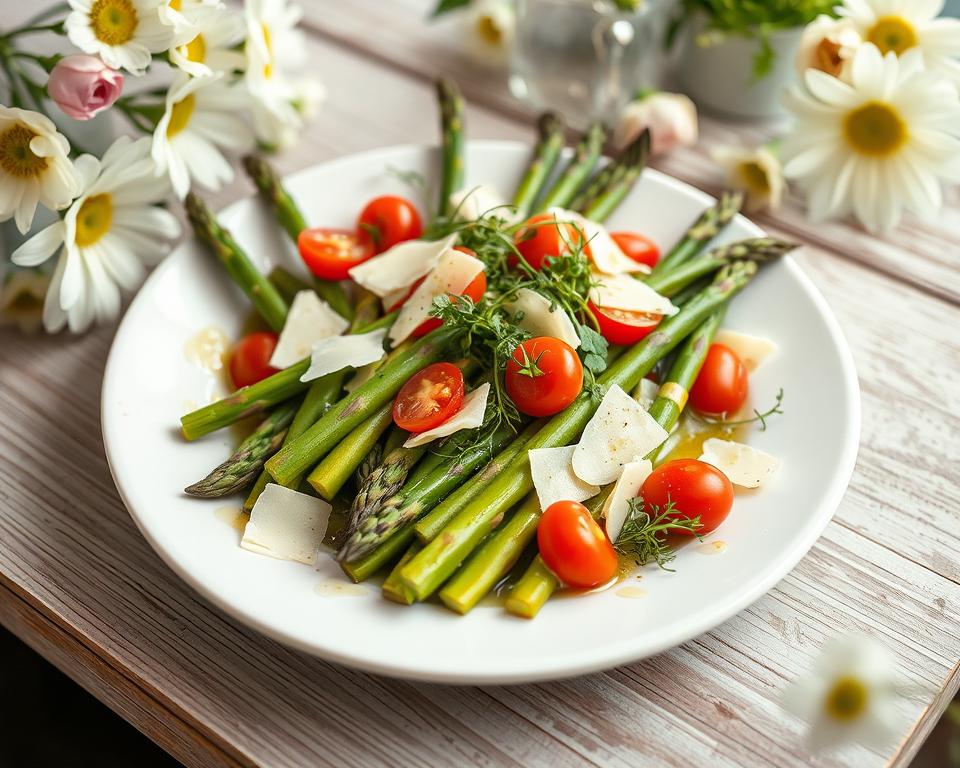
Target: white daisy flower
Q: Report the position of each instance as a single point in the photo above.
(180, 14)
(876, 145)
(828, 44)
(106, 237)
(200, 119)
(274, 48)
(850, 696)
(214, 34)
(898, 26)
(35, 166)
(124, 33)
(757, 172)
(489, 26)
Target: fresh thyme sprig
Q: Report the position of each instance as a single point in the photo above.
(758, 416)
(642, 535)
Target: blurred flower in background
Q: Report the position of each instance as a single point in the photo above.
(756, 172)
(489, 28)
(828, 44)
(83, 86)
(671, 118)
(22, 292)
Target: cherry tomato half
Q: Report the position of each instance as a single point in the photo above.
(388, 220)
(544, 237)
(574, 547)
(637, 247)
(620, 326)
(250, 358)
(331, 253)
(722, 384)
(695, 487)
(475, 290)
(544, 375)
(429, 398)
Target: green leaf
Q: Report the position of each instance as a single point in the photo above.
(763, 59)
(593, 350)
(445, 6)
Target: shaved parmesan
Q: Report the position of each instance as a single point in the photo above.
(394, 298)
(752, 350)
(617, 506)
(553, 476)
(605, 254)
(286, 524)
(470, 416)
(339, 352)
(453, 274)
(399, 267)
(620, 431)
(309, 320)
(743, 464)
(540, 320)
(646, 393)
(627, 293)
(481, 201)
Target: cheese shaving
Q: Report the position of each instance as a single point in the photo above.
(617, 506)
(607, 257)
(399, 267)
(752, 350)
(309, 320)
(470, 416)
(620, 431)
(744, 465)
(481, 201)
(646, 393)
(339, 352)
(540, 320)
(286, 524)
(554, 478)
(627, 293)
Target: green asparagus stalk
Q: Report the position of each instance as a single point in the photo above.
(376, 560)
(321, 394)
(288, 285)
(245, 463)
(442, 556)
(451, 130)
(538, 583)
(383, 484)
(414, 499)
(265, 298)
(293, 223)
(393, 588)
(545, 156)
(584, 158)
(631, 166)
(758, 249)
(701, 232)
(395, 439)
(369, 464)
(302, 453)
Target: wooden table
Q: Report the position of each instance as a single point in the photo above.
(80, 585)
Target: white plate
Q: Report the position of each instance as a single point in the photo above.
(149, 383)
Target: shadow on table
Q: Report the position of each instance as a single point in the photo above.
(49, 721)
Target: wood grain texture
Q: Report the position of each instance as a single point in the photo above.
(80, 584)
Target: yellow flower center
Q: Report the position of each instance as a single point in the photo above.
(113, 21)
(180, 115)
(94, 219)
(176, 4)
(196, 49)
(488, 30)
(16, 157)
(892, 33)
(268, 67)
(755, 179)
(847, 699)
(827, 57)
(875, 129)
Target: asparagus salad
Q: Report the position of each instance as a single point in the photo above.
(493, 399)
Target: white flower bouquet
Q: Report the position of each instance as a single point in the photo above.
(229, 80)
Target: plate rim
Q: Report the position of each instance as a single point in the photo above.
(564, 666)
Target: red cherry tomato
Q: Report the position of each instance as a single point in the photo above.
(574, 547)
(429, 398)
(388, 220)
(331, 253)
(543, 376)
(620, 326)
(695, 487)
(475, 290)
(722, 384)
(250, 358)
(548, 238)
(637, 247)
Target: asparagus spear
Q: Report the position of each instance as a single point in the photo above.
(392, 588)
(545, 156)
(245, 463)
(265, 298)
(382, 484)
(627, 170)
(370, 462)
(293, 223)
(441, 557)
(538, 583)
(451, 130)
(299, 455)
(584, 158)
(288, 285)
(704, 229)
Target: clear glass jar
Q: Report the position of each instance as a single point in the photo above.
(585, 59)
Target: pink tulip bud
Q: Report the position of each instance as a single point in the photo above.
(83, 86)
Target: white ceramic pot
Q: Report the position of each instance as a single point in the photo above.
(719, 77)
